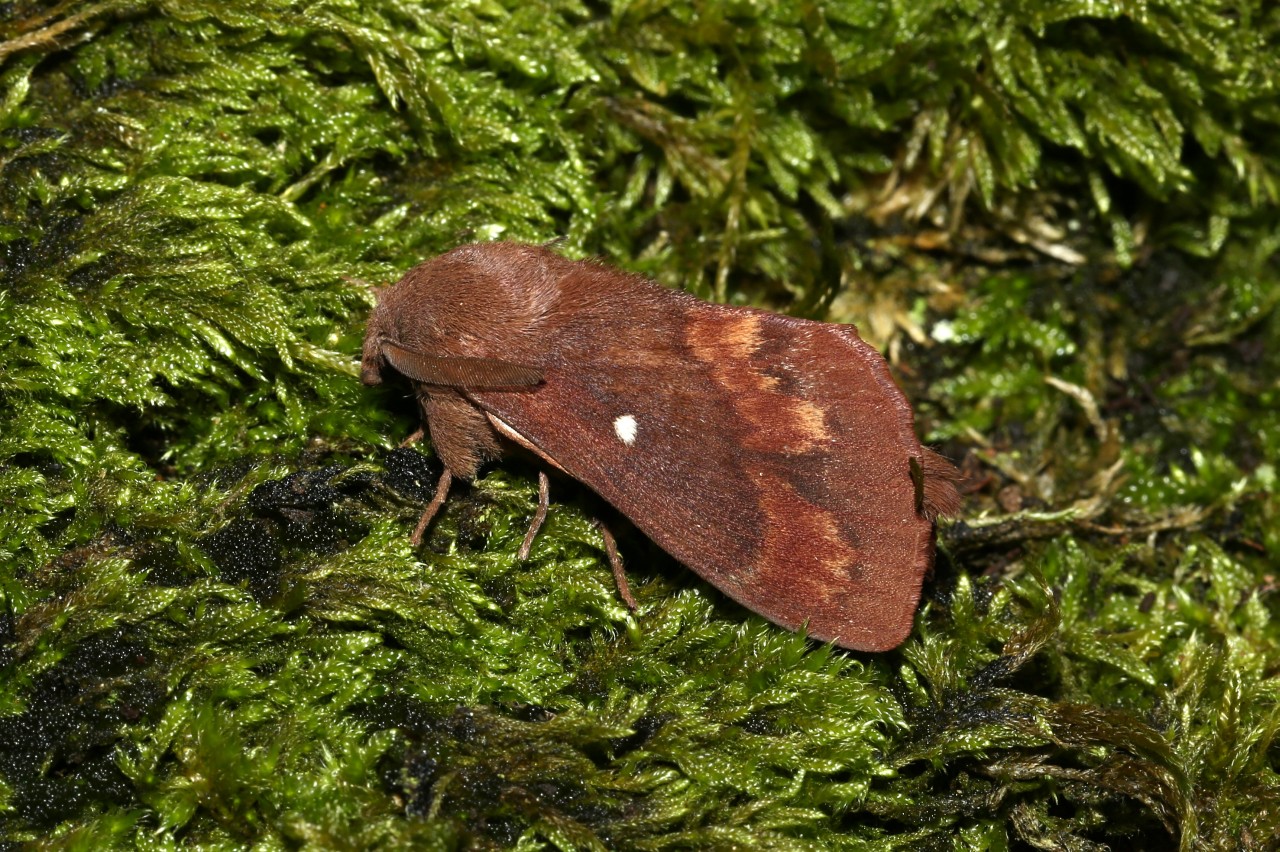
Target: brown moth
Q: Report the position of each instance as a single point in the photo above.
(774, 456)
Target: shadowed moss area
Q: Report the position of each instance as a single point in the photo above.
(1058, 219)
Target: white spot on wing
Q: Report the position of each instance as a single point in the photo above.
(625, 428)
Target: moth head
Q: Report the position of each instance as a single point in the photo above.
(479, 303)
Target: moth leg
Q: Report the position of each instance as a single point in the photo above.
(417, 436)
(544, 497)
(442, 491)
(615, 562)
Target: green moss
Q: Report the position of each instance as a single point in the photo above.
(1059, 220)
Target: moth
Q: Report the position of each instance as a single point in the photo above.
(774, 456)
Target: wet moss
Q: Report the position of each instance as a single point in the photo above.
(1057, 220)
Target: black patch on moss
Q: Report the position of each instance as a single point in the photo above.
(411, 473)
(59, 754)
(8, 634)
(298, 514)
(644, 728)
(488, 773)
(305, 490)
(227, 475)
(472, 516)
(301, 506)
(163, 564)
(247, 550)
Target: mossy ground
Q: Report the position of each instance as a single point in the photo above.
(1059, 219)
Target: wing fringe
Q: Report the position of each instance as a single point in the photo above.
(939, 496)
